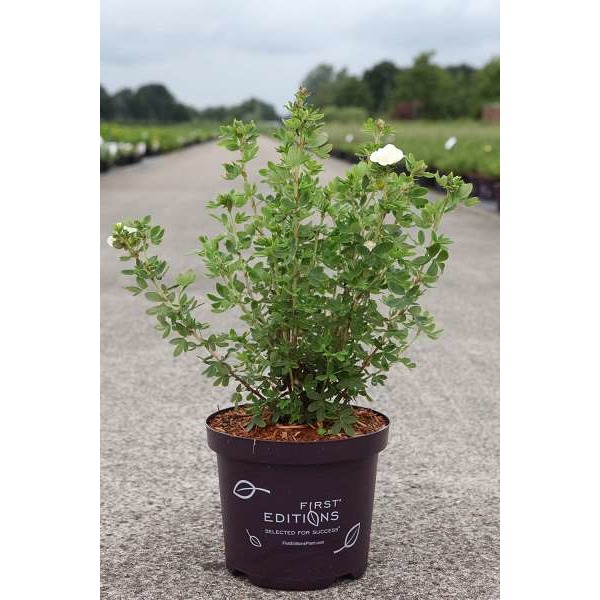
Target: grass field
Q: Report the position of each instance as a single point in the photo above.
(476, 152)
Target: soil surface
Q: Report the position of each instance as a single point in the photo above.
(234, 422)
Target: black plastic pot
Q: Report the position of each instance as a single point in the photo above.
(297, 515)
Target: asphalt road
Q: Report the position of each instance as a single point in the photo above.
(435, 526)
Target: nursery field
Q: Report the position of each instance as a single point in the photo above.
(125, 143)
(476, 151)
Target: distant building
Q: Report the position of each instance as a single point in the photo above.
(491, 113)
(408, 109)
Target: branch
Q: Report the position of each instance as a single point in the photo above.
(231, 370)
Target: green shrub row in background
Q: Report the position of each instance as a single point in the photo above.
(124, 144)
(475, 152)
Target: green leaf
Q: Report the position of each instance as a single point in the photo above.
(223, 291)
(154, 297)
(134, 290)
(395, 285)
(383, 249)
(421, 260)
(185, 279)
(348, 429)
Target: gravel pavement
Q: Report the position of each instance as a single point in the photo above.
(435, 526)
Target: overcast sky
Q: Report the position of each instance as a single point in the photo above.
(210, 52)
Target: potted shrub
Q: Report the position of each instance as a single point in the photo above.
(108, 153)
(327, 280)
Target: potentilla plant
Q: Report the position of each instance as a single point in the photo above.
(328, 279)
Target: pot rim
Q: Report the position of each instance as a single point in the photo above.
(297, 453)
(237, 437)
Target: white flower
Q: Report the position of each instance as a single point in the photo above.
(129, 229)
(140, 148)
(370, 244)
(349, 138)
(388, 155)
(101, 140)
(110, 240)
(450, 143)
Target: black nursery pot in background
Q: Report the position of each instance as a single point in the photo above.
(297, 515)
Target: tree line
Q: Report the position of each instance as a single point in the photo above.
(424, 90)
(154, 103)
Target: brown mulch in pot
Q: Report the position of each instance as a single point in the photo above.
(234, 422)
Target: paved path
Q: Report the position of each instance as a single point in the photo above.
(435, 529)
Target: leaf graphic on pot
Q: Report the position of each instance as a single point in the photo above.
(313, 518)
(246, 489)
(350, 538)
(254, 540)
